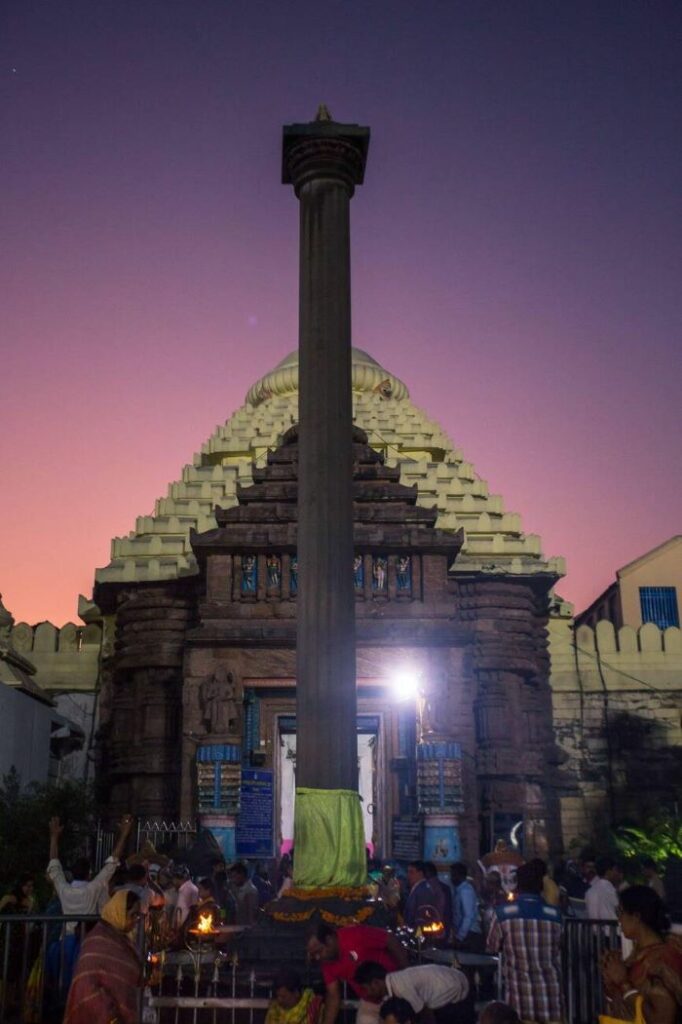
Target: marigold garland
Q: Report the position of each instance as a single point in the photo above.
(337, 892)
(302, 915)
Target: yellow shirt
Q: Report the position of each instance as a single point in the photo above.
(306, 1010)
(550, 891)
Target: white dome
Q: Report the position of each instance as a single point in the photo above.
(368, 375)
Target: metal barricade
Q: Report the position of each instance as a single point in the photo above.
(38, 954)
(584, 942)
(222, 993)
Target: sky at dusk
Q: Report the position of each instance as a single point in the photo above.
(517, 253)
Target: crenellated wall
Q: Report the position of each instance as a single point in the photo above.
(617, 699)
(66, 658)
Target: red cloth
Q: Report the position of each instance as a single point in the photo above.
(358, 943)
(106, 983)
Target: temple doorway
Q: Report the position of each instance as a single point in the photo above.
(368, 740)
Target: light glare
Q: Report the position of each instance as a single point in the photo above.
(405, 684)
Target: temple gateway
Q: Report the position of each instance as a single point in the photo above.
(454, 726)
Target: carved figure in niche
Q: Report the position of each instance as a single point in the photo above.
(217, 699)
(293, 575)
(379, 566)
(358, 572)
(404, 573)
(435, 709)
(274, 569)
(249, 574)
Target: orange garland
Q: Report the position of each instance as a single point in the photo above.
(281, 915)
(338, 892)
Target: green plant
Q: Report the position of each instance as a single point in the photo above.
(24, 817)
(660, 838)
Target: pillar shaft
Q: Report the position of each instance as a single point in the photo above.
(326, 689)
(324, 161)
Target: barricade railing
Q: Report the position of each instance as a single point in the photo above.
(583, 943)
(163, 835)
(37, 955)
(38, 951)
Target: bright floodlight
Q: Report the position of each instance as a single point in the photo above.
(405, 683)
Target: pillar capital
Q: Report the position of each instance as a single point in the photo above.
(324, 150)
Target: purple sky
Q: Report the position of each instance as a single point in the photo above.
(516, 252)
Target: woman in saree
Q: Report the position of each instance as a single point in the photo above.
(651, 977)
(292, 1004)
(106, 983)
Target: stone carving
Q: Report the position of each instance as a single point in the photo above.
(274, 572)
(358, 572)
(249, 574)
(220, 712)
(379, 565)
(436, 708)
(404, 574)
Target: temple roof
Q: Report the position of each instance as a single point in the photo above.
(159, 549)
(367, 375)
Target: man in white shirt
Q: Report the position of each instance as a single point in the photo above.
(188, 894)
(84, 895)
(429, 986)
(601, 899)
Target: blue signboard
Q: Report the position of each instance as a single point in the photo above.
(255, 821)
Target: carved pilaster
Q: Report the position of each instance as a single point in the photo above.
(514, 759)
(143, 744)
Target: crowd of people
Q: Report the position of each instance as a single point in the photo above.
(513, 907)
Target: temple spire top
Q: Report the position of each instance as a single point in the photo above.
(323, 113)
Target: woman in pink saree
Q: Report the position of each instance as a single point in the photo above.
(106, 982)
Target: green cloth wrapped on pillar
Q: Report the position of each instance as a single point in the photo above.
(329, 839)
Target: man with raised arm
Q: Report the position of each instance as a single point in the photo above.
(84, 895)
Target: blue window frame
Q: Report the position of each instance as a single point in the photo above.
(659, 605)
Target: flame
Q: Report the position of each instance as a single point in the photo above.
(435, 928)
(205, 924)
(510, 897)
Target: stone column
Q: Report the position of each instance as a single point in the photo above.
(516, 762)
(324, 161)
(146, 714)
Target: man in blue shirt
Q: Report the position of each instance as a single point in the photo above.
(528, 931)
(425, 902)
(467, 922)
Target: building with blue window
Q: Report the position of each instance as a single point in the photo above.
(648, 589)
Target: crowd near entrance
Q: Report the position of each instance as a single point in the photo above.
(192, 937)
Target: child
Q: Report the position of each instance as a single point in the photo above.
(292, 1004)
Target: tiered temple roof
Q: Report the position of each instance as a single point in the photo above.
(159, 547)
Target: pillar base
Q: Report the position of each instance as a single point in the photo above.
(329, 840)
(223, 828)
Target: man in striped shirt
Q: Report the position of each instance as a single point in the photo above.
(528, 931)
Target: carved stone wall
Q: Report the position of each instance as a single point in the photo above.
(516, 763)
(143, 744)
(616, 697)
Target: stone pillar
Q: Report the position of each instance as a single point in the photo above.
(324, 161)
(146, 706)
(516, 766)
